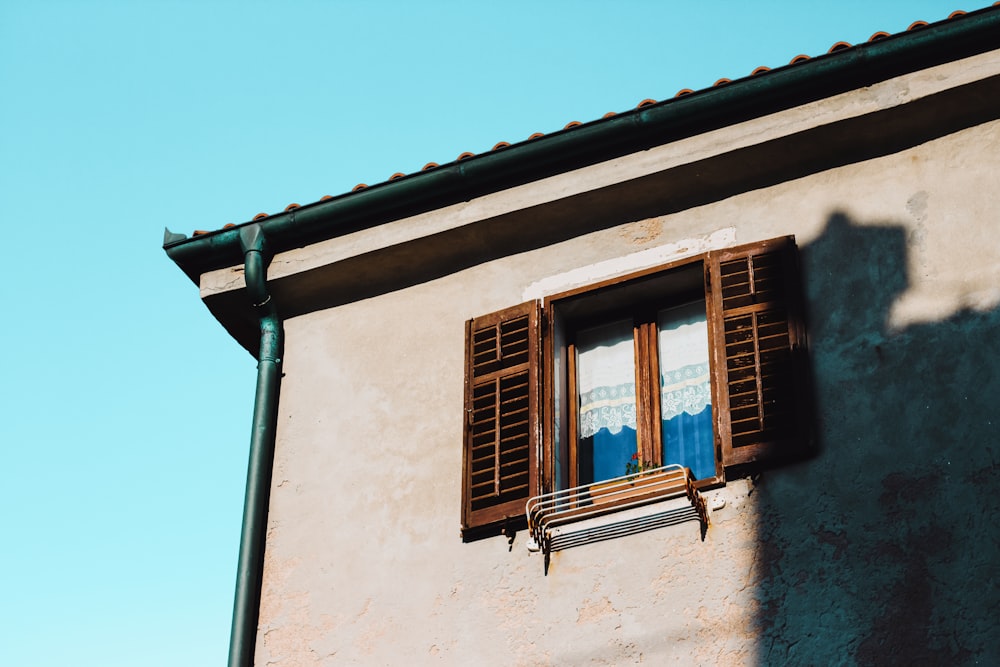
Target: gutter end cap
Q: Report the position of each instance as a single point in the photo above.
(170, 238)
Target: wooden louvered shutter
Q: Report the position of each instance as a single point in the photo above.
(759, 352)
(502, 425)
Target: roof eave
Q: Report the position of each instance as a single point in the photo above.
(599, 140)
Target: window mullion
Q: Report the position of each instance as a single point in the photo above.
(655, 417)
(647, 393)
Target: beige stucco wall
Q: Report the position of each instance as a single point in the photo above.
(857, 556)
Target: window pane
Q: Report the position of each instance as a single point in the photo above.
(685, 389)
(606, 387)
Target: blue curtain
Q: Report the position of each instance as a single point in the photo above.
(688, 440)
(605, 454)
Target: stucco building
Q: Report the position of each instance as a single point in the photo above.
(787, 284)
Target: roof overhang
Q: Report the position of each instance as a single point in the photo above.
(711, 143)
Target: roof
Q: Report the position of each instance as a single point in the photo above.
(765, 90)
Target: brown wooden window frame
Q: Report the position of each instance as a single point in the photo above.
(637, 296)
(758, 370)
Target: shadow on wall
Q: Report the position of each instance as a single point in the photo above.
(883, 549)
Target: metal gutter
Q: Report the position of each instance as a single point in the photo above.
(600, 140)
(250, 568)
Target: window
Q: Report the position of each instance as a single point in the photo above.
(700, 362)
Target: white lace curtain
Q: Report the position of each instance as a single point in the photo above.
(606, 370)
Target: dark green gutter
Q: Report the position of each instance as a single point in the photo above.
(601, 140)
(250, 567)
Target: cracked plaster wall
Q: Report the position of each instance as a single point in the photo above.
(880, 550)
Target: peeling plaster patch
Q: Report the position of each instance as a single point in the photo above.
(629, 651)
(838, 540)
(917, 206)
(589, 612)
(768, 555)
(378, 627)
(901, 493)
(643, 231)
(904, 628)
(731, 620)
(636, 261)
(289, 636)
(223, 280)
(984, 475)
(275, 580)
(511, 608)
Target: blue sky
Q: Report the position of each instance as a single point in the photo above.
(126, 407)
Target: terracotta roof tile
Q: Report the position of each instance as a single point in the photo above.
(759, 71)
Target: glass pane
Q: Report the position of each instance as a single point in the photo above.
(559, 446)
(685, 389)
(605, 368)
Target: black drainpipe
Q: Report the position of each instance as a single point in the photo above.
(246, 606)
